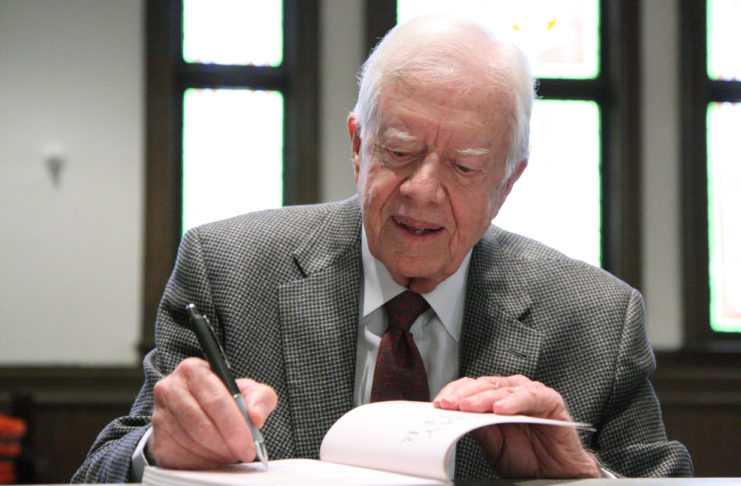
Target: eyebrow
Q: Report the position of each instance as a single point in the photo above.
(398, 134)
(406, 137)
(474, 151)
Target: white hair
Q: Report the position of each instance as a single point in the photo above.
(455, 53)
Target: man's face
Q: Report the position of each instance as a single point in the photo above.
(431, 181)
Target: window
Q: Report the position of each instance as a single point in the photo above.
(232, 160)
(573, 196)
(711, 165)
(230, 87)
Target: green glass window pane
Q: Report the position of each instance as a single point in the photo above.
(232, 153)
(243, 32)
(724, 215)
(561, 37)
(558, 198)
(724, 39)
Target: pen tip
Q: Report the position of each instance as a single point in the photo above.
(262, 453)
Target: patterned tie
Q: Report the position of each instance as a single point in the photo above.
(400, 373)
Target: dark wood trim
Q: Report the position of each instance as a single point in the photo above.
(571, 89)
(724, 91)
(693, 179)
(64, 408)
(695, 92)
(621, 125)
(162, 186)
(221, 76)
(380, 17)
(701, 379)
(68, 379)
(301, 137)
(700, 396)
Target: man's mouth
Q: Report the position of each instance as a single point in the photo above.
(418, 230)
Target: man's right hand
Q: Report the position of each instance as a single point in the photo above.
(196, 422)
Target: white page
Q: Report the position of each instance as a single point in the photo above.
(407, 437)
(283, 472)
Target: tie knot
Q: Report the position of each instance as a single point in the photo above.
(404, 309)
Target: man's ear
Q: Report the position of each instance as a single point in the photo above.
(354, 130)
(515, 175)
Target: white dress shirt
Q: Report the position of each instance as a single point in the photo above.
(436, 332)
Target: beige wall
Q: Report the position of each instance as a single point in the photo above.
(71, 86)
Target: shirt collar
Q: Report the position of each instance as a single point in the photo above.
(447, 299)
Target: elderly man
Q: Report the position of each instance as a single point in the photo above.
(296, 295)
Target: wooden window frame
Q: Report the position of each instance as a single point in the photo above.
(696, 91)
(167, 78)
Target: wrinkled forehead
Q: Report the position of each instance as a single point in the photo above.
(455, 103)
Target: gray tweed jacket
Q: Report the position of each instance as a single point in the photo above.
(281, 288)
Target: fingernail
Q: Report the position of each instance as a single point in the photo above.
(449, 399)
(502, 405)
(248, 454)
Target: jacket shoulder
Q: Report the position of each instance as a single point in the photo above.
(532, 262)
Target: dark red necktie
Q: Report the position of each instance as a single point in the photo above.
(400, 373)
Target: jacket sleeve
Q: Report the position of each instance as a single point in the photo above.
(109, 459)
(631, 439)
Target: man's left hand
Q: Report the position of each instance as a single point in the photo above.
(521, 450)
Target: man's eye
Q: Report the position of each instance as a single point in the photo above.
(399, 154)
(463, 168)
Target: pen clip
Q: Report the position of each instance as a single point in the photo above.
(194, 314)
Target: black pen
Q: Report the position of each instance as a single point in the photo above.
(219, 365)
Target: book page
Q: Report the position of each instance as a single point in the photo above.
(407, 437)
(282, 472)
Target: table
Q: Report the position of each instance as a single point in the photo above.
(584, 482)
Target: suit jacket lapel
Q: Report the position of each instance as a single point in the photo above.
(319, 320)
(494, 340)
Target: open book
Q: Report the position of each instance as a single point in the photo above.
(382, 443)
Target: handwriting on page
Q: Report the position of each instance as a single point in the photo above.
(429, 427)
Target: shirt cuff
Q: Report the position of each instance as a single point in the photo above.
(606, 473)
(139, 458)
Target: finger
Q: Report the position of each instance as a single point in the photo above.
(224, 427)
(174, 393)
(530, 398)
(491, 440)
(261, 400)
(452, 393)
(448, 396)
(173, 447)
(486, 400)
(535, 399)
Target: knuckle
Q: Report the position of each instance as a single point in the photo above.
(162, 390)
(212, 401)
(203, 433)
(492, 381)
(190, 367)
(158, 419)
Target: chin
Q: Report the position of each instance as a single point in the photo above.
(418, 272)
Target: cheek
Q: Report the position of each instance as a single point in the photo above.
(375, 189)
(496, 201)
(473, 217)
(376, 183)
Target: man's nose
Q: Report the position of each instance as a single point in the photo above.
(425, 182)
